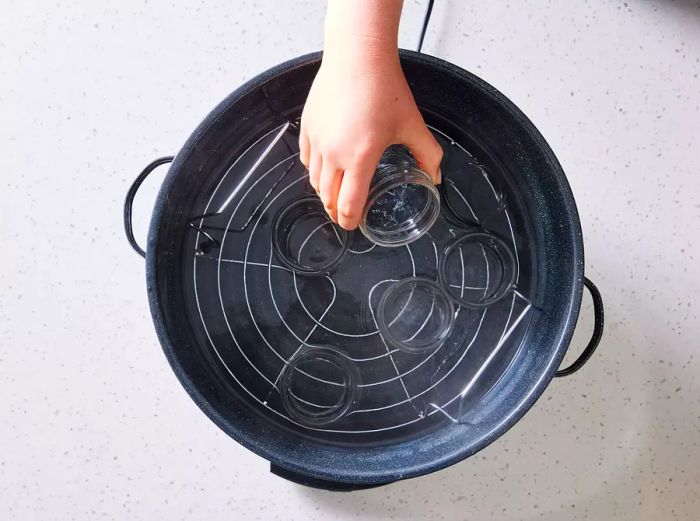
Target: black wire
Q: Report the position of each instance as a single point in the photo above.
(426, 19)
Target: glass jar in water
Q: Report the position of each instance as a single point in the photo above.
(403, 202)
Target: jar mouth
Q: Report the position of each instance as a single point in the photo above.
(304, 238)
(318, 386)
(415, 315)
(477, 269)
(401, 208)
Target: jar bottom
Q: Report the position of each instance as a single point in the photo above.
(401, 209)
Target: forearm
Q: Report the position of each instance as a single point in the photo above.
(363, 27)
(358, 105)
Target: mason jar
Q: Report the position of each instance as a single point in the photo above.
(403, 203)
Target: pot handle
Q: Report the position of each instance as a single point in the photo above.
(129, 201)
(599, 321)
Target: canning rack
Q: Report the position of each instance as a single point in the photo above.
(300, 341)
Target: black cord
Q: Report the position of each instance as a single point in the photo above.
(426, 20)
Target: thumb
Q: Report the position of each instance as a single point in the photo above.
(425, 148)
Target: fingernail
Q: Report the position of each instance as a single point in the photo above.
(439, 179)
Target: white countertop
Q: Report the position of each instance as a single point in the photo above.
(95, 424)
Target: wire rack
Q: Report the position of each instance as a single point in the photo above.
(266, 323)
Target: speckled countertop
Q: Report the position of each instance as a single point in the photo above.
(95, 425)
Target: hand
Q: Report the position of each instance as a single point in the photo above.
(359, 104)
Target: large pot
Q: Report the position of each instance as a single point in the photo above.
(549, 243)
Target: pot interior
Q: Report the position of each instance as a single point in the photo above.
(268, 312)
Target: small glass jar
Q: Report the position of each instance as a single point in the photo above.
(403, 203)
(477, 269)
(318, 386)
(415, 315)
(304, 238)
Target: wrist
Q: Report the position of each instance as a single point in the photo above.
(365, 29)
(360, 51)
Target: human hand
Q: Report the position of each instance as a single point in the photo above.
(359, 104)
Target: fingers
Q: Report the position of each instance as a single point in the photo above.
(351, 199)
(315, 166)
(330, 181)
(425, 149)
(304, 148)
(352, 196)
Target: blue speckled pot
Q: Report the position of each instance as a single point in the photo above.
(462, 101)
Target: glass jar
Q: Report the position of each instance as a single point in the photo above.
(403, 203)
(415, 315)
